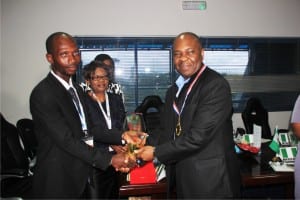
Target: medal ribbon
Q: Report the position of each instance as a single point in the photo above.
(178, 126)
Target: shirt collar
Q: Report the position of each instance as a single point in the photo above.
(63, 82)
(180, 83)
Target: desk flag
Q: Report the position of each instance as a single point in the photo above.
(275, 142)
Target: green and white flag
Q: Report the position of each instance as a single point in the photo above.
(275, 142)
(288, 154)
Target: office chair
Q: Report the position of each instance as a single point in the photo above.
(15, 176)
(255, 113)
(25, 127)
(151, 107)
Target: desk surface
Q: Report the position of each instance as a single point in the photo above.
(248, 180)
(255, 171)
(159, 188)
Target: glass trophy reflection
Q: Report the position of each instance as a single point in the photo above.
(135, 124)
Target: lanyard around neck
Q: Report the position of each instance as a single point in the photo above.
(107, 113)
(79, 108)
(188, 92)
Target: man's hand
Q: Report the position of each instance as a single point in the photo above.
(135, 137)
(122, 162)
(146, 153)
(119, 148)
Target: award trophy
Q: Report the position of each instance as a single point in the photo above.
(135, 124)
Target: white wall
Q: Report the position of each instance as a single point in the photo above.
(280, 119)
(25, 25)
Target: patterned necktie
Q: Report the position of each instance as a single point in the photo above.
(76, 100)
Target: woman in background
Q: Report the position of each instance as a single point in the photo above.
(295, 122)
(113, 87)
(107, 110)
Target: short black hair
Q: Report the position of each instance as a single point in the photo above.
(50, 40)
(90, 68)
(101, 57)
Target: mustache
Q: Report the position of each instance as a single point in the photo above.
(73, 65)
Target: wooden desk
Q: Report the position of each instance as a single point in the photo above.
(267, 179)
(156, 191)
(255, 173)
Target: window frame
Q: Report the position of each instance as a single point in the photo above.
(273, 100)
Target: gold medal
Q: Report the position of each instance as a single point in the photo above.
(178, 128)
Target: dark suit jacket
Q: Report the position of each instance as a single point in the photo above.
(202, 159)
(117, 114)
(106, 182)
(63, 159)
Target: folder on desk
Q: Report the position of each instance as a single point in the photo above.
(144, 174)
(281, 167)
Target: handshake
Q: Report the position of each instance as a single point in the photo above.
(126, 157)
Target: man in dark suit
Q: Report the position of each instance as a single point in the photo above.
(64, 158)
(196, 140)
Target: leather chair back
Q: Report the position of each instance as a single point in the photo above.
(151, 107)
(255, 113)
(26, 130)
(16, 179)
(12, 154)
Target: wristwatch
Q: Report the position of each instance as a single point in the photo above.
(155, 160)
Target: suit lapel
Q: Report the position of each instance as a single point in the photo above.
(192, 100)
(64, 99)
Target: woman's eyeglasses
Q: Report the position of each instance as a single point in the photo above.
(99, 78)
